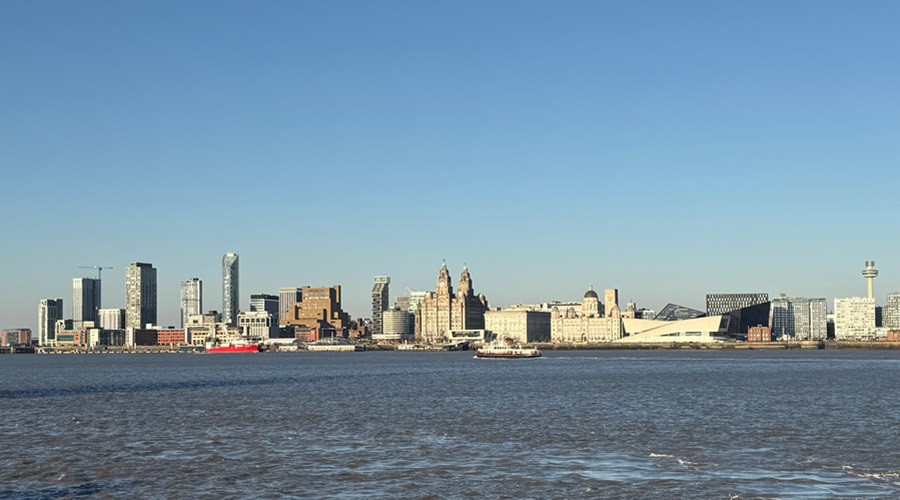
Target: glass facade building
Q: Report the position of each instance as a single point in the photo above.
(49, 312)
(675, 312)
(85, 299)
(140, 295)
(230, 288)
(799, 318)
(287, 297)
(191, 299)
(721, 303)
(379, 302)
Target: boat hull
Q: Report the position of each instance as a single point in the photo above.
(507, 355)
(232, 348)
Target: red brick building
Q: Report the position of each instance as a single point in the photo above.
(15, 336)
(159, 337)
(759, 333)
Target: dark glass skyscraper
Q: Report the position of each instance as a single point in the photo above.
(140, 295)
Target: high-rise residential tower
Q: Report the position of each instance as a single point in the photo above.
(380, 295)
(854, 318)
(112, 319)
(287, 297)
(230, 288)
(191, 299)
(799, 318)
(140, 295)
(891, 313)
(49, 312)
(85, 299)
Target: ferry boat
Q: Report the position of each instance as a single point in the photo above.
(334, 347)
(509, 351)
(237, 346)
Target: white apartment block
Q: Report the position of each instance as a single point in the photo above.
(854, 318)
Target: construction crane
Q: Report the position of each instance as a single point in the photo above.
(98, 268)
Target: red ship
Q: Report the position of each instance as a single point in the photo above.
(232, 347)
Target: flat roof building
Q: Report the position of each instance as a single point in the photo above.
(140, 295)
(518, 325)
(854, 318)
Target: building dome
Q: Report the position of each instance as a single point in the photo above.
(591, 294)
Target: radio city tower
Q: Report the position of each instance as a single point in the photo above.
(869, 273)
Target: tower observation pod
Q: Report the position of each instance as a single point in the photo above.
(869, 273)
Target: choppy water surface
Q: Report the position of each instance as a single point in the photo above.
(571, 424)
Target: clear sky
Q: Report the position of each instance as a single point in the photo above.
(667, 149)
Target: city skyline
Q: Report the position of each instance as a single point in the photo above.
(169, 314)
(665, 150)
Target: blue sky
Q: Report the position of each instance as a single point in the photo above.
(668, 149)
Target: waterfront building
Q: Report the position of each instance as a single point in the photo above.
(158, 336)
(410, 303)
(62, 324)
(675, 312)
(203, 328)
(588, 324)
(518, 325)
(611, 301)
(258, 324)
(14, 336)
(97, 337)
(320, 308)
(441, 311)
(891, 314)
(140, 295)
(380, 296)
(545, 306)
(746, 310)
(112, 319)
(854, 318)
(199, 327)
(415, 298)
(759, 333)
(49, 312)
(71, 337)
(85, 299)
(722, 303)
(264, 302)
(395, 326)
(287, 297)
(799, 318)
(230, 288)
(644, 313)
(705, 329)
(191, 299)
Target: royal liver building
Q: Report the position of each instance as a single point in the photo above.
(441, 311)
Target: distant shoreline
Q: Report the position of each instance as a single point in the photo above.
(608, 346)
